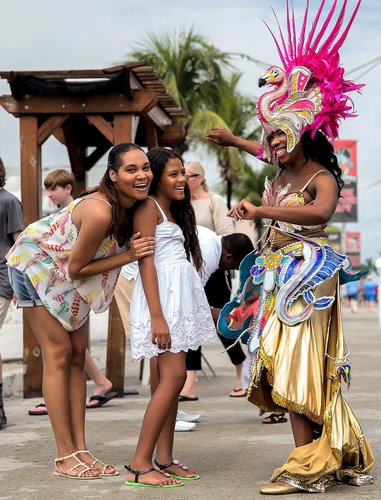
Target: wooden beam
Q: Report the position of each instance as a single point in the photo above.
(116, 349)
(76, 156)
(30, 169)
(173, 134)
(59, 135)
(123, 129)
(142, 101)
(49, 126)
(102, 125)
(151, 133)
(31, 202)
(96, 155)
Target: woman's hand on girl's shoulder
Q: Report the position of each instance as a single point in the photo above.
(140, 247)
(243, 210)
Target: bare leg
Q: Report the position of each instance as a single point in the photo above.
(302, 431)
(171, 380)
(190, 386)
(164, 448)
(238, 376)
(102, 384)
(57, 384)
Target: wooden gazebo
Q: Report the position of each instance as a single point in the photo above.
(88, 111)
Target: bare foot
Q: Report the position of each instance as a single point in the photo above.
(103, 388)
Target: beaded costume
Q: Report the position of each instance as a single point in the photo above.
(295, 340)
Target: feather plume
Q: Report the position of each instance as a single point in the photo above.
(317, 50)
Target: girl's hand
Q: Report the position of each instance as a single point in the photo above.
(160, 333)
(221, 136)
(140, 247)
(243, 210)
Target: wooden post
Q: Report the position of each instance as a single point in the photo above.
(31, 182)
(122, 128)
(151, 133)
(116, 340)
(116, 349)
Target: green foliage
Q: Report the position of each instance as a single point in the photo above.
(251, 183)
(190, 67)
(369, 264)
(201, 79)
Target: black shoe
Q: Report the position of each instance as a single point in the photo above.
(3, 418)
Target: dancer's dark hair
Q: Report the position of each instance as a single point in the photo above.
(181, 210)
(319, 149)
(122, 219)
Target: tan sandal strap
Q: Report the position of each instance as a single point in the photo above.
(85, 470)
(61, 459)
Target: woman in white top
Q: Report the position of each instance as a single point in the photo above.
(210, 211)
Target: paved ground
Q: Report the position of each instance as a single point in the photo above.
(230, 447)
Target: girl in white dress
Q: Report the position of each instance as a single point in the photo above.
(169, 315)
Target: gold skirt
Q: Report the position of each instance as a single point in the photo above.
(294, 373)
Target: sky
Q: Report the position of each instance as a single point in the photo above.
(43, 34)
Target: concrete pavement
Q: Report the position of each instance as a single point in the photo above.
(230, 448)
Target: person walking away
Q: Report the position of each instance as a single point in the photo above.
(11, 225)
(210, 212)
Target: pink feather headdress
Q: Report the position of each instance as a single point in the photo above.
(310, 90)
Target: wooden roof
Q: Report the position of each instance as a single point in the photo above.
(123, 78)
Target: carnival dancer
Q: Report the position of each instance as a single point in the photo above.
(296, 342)
(65, 265)
(169, 315)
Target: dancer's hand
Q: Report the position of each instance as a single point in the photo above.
(140, 247)
(243, 210)
(160, 333)
(221, 136)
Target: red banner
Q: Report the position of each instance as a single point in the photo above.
(352, 247)
(346, 152)
(352, 241)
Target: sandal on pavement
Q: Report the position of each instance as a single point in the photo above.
(162, 468)
(38, 410)
(138, 473)
(102, 472)
(69, 474)
(101, 399)
(238, 393)
(275, 418)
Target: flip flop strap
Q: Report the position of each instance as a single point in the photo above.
(138, 473)
(173, 462)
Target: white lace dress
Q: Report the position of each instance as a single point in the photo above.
(182, 297)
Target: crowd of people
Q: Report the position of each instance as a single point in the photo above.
(152, 216)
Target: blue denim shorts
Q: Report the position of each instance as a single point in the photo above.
(23, 288)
